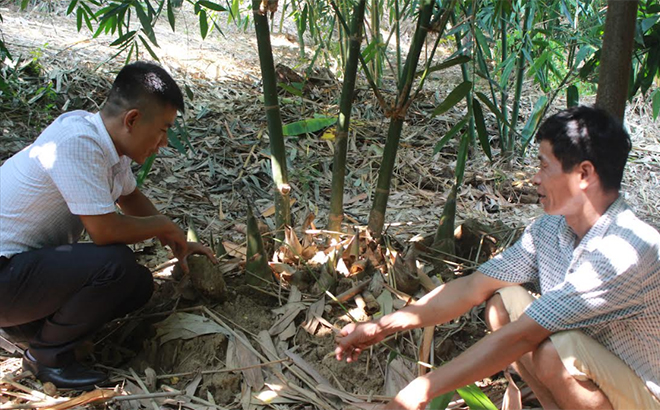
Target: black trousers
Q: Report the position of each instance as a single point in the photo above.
(60, 296)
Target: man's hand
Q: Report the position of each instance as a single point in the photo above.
(354, 337)
(176, 239)
(415, 396)
(198, 249)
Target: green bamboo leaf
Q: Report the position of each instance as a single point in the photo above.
(25, 3)
(211, 5)
(475, 399)
(572, 96)
(170, 14)
(148, 47)
(533, 121)
(88, 23)
(173, 140)
(457, 94)
(203, 23)
(656, 103)
(144, 170)
(235, 10)
(446, 64)
(479, 122)
(72, 5)
(79, 18)
(492, 107)
(308, 126)
(483, 43)
(146, 22)
(123, 39)
(369, 52)
(462, 157)
(303, 20)
(441, 402)
(455, 129)
(290, 89)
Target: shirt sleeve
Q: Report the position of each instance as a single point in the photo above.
(125, 178)
(606, 286)
(81, 176)
(518, 263)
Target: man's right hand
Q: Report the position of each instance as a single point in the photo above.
(355, 337)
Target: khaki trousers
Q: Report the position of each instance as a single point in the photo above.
(586, 359)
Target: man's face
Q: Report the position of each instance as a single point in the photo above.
(149, 133)
(559, 191)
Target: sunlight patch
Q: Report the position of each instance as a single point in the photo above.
(46, 154)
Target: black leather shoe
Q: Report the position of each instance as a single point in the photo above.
(72, 376)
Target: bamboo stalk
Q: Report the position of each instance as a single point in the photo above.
(273, 116)
(520, 72)
(377, 214)
(343, 122)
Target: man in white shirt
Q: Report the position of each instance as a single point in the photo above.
(72, 177)
(592, 338)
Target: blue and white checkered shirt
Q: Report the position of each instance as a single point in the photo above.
(608, 286)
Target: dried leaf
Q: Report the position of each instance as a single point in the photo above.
(183, 325)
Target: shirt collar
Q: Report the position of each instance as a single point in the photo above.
(104, 138)
(594, 235)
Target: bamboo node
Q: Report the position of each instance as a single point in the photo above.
(284, 189)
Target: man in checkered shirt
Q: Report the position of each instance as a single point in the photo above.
(591, 340)
(57, 292)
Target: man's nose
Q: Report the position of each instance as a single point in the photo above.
(536, 180)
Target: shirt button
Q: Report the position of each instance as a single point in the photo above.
(571, 270)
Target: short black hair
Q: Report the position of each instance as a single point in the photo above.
(139, 85)
(585, 133)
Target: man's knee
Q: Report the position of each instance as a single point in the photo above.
(549, 368)
(495, 313)
(116, 263)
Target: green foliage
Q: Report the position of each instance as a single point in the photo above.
(475, 399)
(308, 125)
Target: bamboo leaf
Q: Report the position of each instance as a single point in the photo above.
(462, 157)
(148, 47)
(533, 121)
(308, 126)
(170, 14)
(479, 122)
(211, 5)
(483, 43)
(25, 3)
(72, 5)
(123, 39)
(293, 90)
(88, 23)
(656, 104)
(144, 170)
(446, 64)
(203, 23)
(475, 399)
(492, 107)
(453, 131)
(572, 96)
(441, 402)
(457, 94)
(79, 18)
(145, 21)
(174, 141)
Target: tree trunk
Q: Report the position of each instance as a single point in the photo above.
(616, 57)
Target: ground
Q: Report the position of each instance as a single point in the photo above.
(186, 342)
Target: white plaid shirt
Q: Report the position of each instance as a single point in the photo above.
(608, 286)
(71, 169)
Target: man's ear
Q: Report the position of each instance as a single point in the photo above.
(131, 117)
(588, 175)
